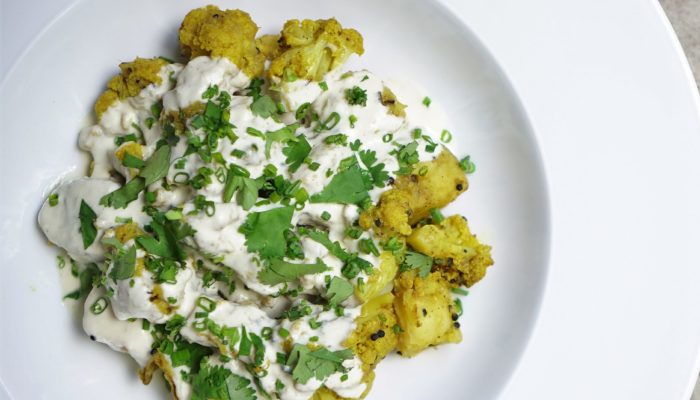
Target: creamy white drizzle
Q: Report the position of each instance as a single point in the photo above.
(217, 244)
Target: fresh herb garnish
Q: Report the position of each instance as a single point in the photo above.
(356, 96)
(376, 171)
(279, 271)
(219, 383)
(338, 290)
(346, 187)
(296, 152)
(53, 199)
(124, 264)
(87, 224)
(264, 231)
(167, 236)
(280, 135)
(320, 363)
(263, 106)
(421, 262)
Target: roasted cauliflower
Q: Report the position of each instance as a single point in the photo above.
(210, 31)
(463, 259)
(134, 76)
(309, 49)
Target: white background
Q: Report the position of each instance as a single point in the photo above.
(616, 113)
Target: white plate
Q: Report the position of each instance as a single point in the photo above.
(51, 90)
(615, 111)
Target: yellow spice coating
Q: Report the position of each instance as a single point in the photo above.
(210, 31)
(465, 259)
(424, 310)
(134, 76)
(413, 196)
(311, 48)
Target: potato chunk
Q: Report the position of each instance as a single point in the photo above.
(464, 258)
(210, 31)
(424, 310)
(413, 196)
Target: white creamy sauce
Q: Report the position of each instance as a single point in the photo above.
(123, 336)
(219, 266)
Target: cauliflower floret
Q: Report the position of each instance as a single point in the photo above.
(465, 258)
(210, 31)
(135, 76)
(311, 48)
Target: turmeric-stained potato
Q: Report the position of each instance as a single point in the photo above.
(210, 31)
(464, 259)
(134, 76)
(374, 336)
(424, 310)
(309, 49)
(382, 277)
(413, 196)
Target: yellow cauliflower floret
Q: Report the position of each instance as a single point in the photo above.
(210, 31)
(424, 310)
(268, 45)
(311, 48)
(464, 259)
(413, 196)
(128, 231)
(134, 76)
(380, 279)
(374, 338)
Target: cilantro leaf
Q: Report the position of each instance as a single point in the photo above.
(263, 106)
(219, 383)
(407, 156)
(87, 224)
(377, 172)
(421, 262)
(279, 271)
(320, 363)
(264, 231)
(296, 152)
(124, 264)
(87, 278)
(346, 187)
(121, 197)
(280, 135)
(246, 188)
(353, 264)
(157, 165)
(155, 169)
(338, 290)
(168, 235)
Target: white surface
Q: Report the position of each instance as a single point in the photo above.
(616, 115)
(65, 69)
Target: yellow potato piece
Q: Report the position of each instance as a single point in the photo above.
(380, 279)
(424, 310)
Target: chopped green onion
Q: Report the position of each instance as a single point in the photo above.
(323, 86)
(436, 215)
(53, 199)
(387, 138)
(206, 304)
(99, 306)
(446, 136)
(426, 101)
(302, 111)
(325, 216)
(467, 165)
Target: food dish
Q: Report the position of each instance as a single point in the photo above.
(200, 239)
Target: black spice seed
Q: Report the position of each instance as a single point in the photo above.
(391, 180)
(455, 316)
(153, 351)
(398, 352)
(414, 178)
(460, 187)
(425, 312)
(380, 333)
(92, 338)
(374, 336)
(456, 324)
(378, 222)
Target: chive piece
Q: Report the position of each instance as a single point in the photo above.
(53, 199)
(426, 101)
(356, 96)
(323, 86)
(436, 215)
(467, 165)
(99, 306)
(446, 136)
(352, 120)
(325, 216)
(387, 138)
